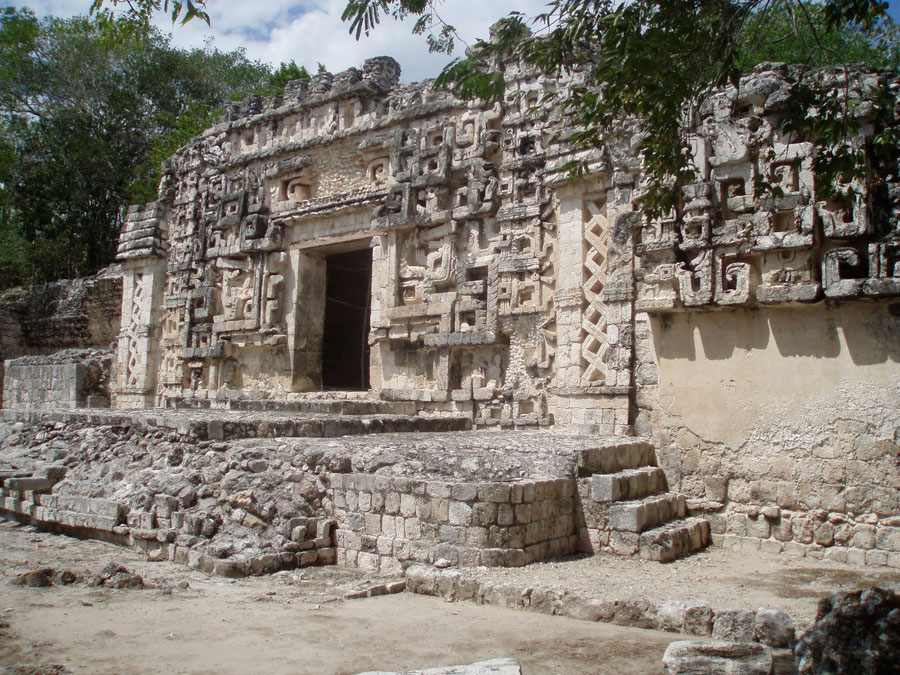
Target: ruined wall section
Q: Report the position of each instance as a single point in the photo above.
(68, 317)
(766, 334)
(71, 378)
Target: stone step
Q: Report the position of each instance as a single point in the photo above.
(643, 514)
(35, 484)
(318, 406)
(226, 425)
(629, 484)
(326, 426)
(625, 454)
(674, 540)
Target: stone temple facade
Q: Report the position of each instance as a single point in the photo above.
(359, 234)
(369, 243)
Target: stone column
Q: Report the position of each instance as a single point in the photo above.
(142, 250)
(137, 364)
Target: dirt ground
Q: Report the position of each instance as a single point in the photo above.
(720, 578)
(291, 622)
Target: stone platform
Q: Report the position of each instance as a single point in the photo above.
(340, 418)
(229, 492)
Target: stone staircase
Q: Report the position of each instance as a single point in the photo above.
(628, 509)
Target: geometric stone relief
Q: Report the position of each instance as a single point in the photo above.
(594, 344)
(728, 245)
(496, 282)
(138, 323)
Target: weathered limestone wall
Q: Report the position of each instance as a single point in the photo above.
(59, 317)
(66, 379)
(782, 424)
(387, 523)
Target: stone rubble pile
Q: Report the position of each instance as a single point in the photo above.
(256, 505)
(855, 634)
(223, 510)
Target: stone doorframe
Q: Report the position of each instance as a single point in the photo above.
(307, 325)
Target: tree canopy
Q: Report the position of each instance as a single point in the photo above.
(654, 60)
(89, 108)
(659, 60)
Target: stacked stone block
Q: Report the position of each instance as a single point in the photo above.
(68, 379)
(36, 387)
(387, 523)
(627, 510)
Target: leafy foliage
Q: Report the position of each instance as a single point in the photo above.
(781, 31)
(285, 73)
(660, 60)
(89, 108)
(142, 10)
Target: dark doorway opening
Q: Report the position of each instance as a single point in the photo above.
(345, 341)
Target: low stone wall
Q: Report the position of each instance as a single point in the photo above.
(57, 319)
(386, 523)
(167, 531)
(765, 625)
(68, 379)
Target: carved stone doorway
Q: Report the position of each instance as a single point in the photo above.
(345, 343)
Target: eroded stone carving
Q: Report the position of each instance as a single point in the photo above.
(732, 243)
(499, 287)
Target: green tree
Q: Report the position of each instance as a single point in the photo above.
(13, 265)
(89, 108)
(144, 9)
(285, 73)
(783, 32)
(659, 60)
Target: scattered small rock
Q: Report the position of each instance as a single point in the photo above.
(117, 576)
(36, 578)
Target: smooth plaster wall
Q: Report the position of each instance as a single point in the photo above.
(724, 374)
(796, 409)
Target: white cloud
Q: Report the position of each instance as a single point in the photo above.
(311, 31)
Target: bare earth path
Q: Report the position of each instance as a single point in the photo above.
(720, 578)
(292, 622)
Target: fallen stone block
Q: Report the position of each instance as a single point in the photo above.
(773, 628)
(689, 657)
(492, 667)
(735, 626)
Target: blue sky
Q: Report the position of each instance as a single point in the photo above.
(311, 31)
